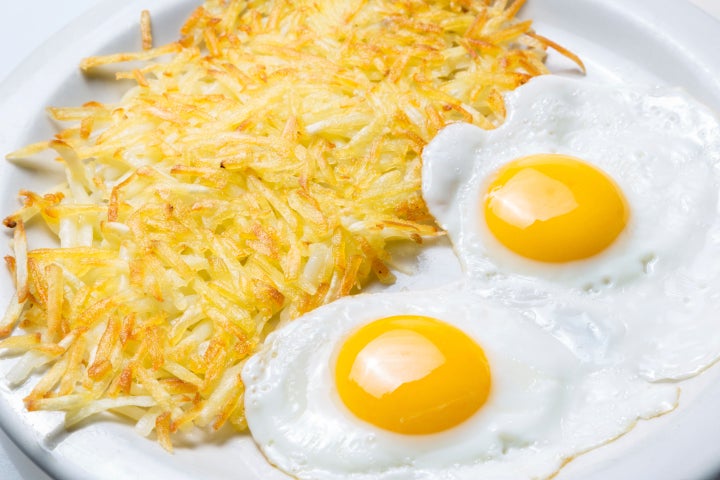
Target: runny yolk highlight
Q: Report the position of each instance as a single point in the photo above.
(554, 208)
(412, 374)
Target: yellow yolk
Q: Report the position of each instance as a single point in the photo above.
(412, 374)
(554, 208)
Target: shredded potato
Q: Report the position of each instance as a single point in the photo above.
(259, 168)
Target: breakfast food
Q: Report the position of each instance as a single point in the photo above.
(645, 154)
(257, 169)
(216, 202)
(544, 404)
(585, 308)
(657, 150)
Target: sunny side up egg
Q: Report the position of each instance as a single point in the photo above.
(433, 384)
(594, 209)
(606, 182)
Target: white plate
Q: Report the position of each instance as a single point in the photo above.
(649, 41)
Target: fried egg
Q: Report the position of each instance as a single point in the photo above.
(433, 384)
(584, 184)
(595, 199)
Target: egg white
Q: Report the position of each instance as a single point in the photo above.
(661, 147)
(546, 404)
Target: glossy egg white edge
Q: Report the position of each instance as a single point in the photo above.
(546, 405)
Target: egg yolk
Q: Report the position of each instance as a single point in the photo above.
(554, 208)
(412, 375)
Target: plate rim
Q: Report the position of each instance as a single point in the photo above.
(668, 16)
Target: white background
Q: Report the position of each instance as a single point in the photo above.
(23, 27)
